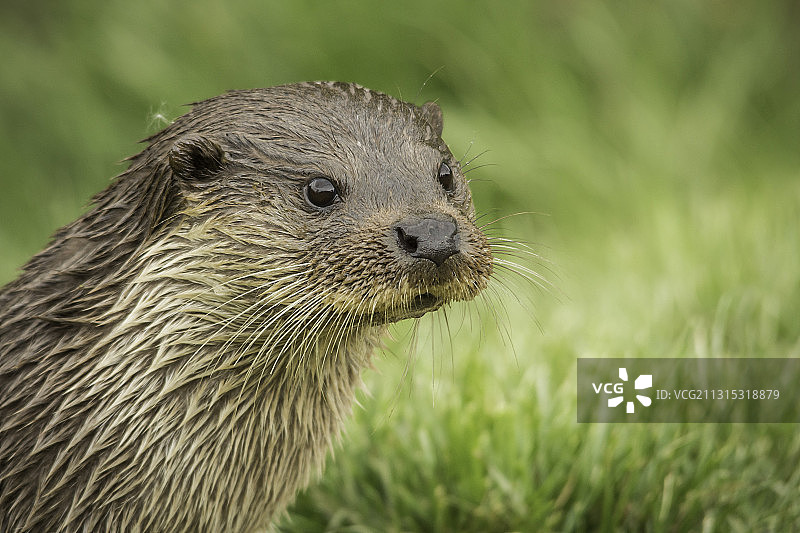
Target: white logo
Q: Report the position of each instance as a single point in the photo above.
(644, 381)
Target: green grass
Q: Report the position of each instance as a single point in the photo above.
(656, 146)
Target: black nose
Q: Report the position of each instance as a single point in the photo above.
(428, 238)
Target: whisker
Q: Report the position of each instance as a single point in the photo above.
(505, 217)
(429, 78)
(472, 169)
(468, 163)
(527, 273)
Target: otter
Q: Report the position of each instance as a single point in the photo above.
(181, 357)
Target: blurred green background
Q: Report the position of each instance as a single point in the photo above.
(655, 148)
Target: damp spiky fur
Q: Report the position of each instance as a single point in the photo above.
(181, 357)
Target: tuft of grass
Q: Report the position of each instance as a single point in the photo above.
(492, 446)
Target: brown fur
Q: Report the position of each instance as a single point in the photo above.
(180, 357)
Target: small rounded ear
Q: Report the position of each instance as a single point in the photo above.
(196, 157)
(433, 115)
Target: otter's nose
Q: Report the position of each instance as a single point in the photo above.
(428, 238)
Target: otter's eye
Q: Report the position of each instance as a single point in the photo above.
(321, 192)
(446, 177)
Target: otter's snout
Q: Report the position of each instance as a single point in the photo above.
(428, 238)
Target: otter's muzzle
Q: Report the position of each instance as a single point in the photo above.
(429, 238)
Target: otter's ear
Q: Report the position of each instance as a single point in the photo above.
(196, 157)
(433, 115)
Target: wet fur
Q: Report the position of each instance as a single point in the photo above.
(181, 357)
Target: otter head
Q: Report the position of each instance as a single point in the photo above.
(333, 190)
(184, 353)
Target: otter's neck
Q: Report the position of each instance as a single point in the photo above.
(243, 387)
(193, 380)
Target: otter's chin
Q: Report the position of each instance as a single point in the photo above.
(413, 308)
(424, 303)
